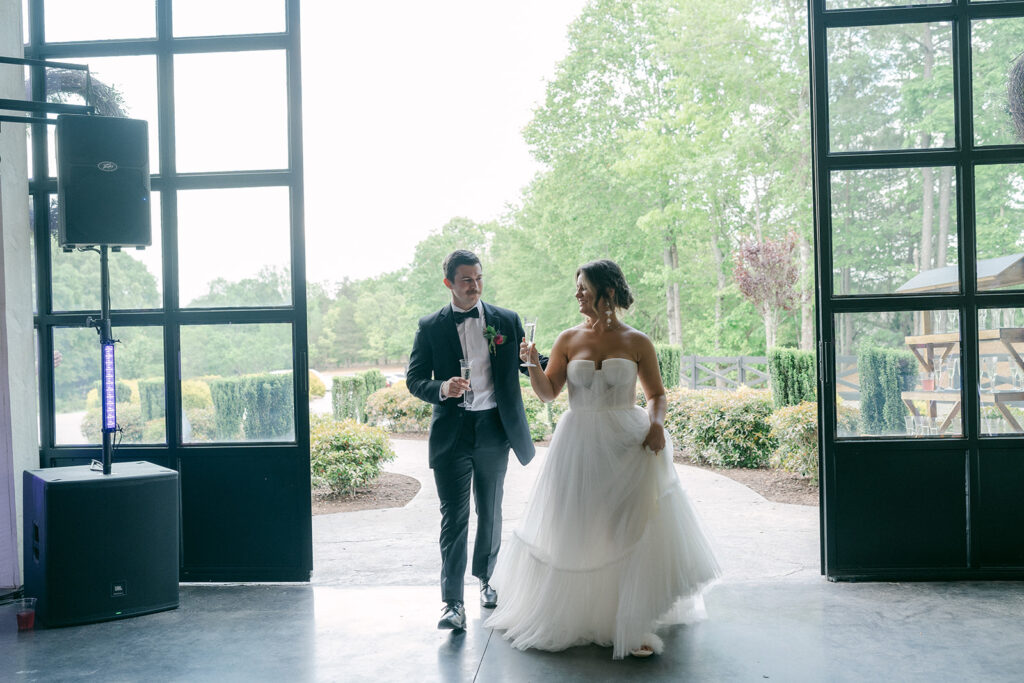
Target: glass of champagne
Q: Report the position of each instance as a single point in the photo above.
(530, 327)
(465, 370)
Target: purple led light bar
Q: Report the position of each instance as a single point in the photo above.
(109, 390)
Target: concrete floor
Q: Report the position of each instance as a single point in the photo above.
(370, 613)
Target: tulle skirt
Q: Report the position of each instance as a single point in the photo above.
(609, 547)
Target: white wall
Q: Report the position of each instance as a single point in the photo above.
(19, 444)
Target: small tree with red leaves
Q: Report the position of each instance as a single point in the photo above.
(766, 274)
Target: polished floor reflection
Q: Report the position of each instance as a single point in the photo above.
(783, 631)
(371, 611)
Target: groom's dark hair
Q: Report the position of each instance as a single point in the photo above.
(459, 257)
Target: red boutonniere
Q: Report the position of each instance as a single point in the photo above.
(494, 338)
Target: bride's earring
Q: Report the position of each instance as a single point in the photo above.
(608, 319)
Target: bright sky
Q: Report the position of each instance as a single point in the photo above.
(412, 115)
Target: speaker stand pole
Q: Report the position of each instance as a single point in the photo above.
(106, 342)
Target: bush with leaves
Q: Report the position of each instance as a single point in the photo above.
(670, 357)
(795, 430)
(536, 416)
(793, 376)
(129, 419)
(396, 410)
(345, 455)
(348, 394)
(317, 389)
(722, 428)
(883, 375)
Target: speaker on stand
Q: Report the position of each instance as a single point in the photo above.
(103, 182)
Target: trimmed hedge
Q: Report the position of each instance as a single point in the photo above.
(722, 428)
(883, 375)
(121, 388)
(345, 455)
(152, 398)
(348, 394)
(259, 407)
(396, 410)
(793, 376)
(670, 358)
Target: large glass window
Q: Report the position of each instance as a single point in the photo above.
(250, 224)
(120, 86)
(78, 20)
(890, 87)
(894, 230)
(135, 275)
(998, 98)
(999, 215)
(858, 4)
(231, 113)
(227, 17)
(898, 374)
(140, 385)
(236, 383)
(1001, 370)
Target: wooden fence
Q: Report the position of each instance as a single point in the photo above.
(723, 372)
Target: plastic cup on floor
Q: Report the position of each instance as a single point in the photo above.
(25, 610)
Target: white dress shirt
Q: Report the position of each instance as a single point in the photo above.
(474, 347)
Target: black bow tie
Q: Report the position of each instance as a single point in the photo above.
(471, 313)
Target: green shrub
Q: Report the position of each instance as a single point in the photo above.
(153, 431)
(345, 455)
(202, 425)
(883, 375)
(129, 419)
(348, 394)
(793, 376)
(121, 388)
(195, 394)
(269, 405)
(557, 408)
(722, 428)
(795, 430)
(536, 415)
(152, 399)
(317, 389)
(259, 407)
(374, 380)
(669, 360)
(228, 408)
(396, 410)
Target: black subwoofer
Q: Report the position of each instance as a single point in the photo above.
(101, 547)
(103, 181)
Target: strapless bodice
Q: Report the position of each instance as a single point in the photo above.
(610, 387)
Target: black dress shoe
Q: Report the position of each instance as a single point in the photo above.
(488, 596)
(453, 617)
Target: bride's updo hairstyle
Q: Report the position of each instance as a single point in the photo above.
(602, 276)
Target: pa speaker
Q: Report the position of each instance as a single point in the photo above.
(100, 547)
(103, 181)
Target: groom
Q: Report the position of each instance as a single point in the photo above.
(469, 445)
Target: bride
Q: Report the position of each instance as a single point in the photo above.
(609, 546)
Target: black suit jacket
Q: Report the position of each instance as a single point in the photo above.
(435, 358)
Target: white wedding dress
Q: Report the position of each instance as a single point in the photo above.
(609, 546)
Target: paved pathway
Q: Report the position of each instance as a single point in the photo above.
(756, 539)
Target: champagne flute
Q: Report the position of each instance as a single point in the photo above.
(530, 326)
(465, 370)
